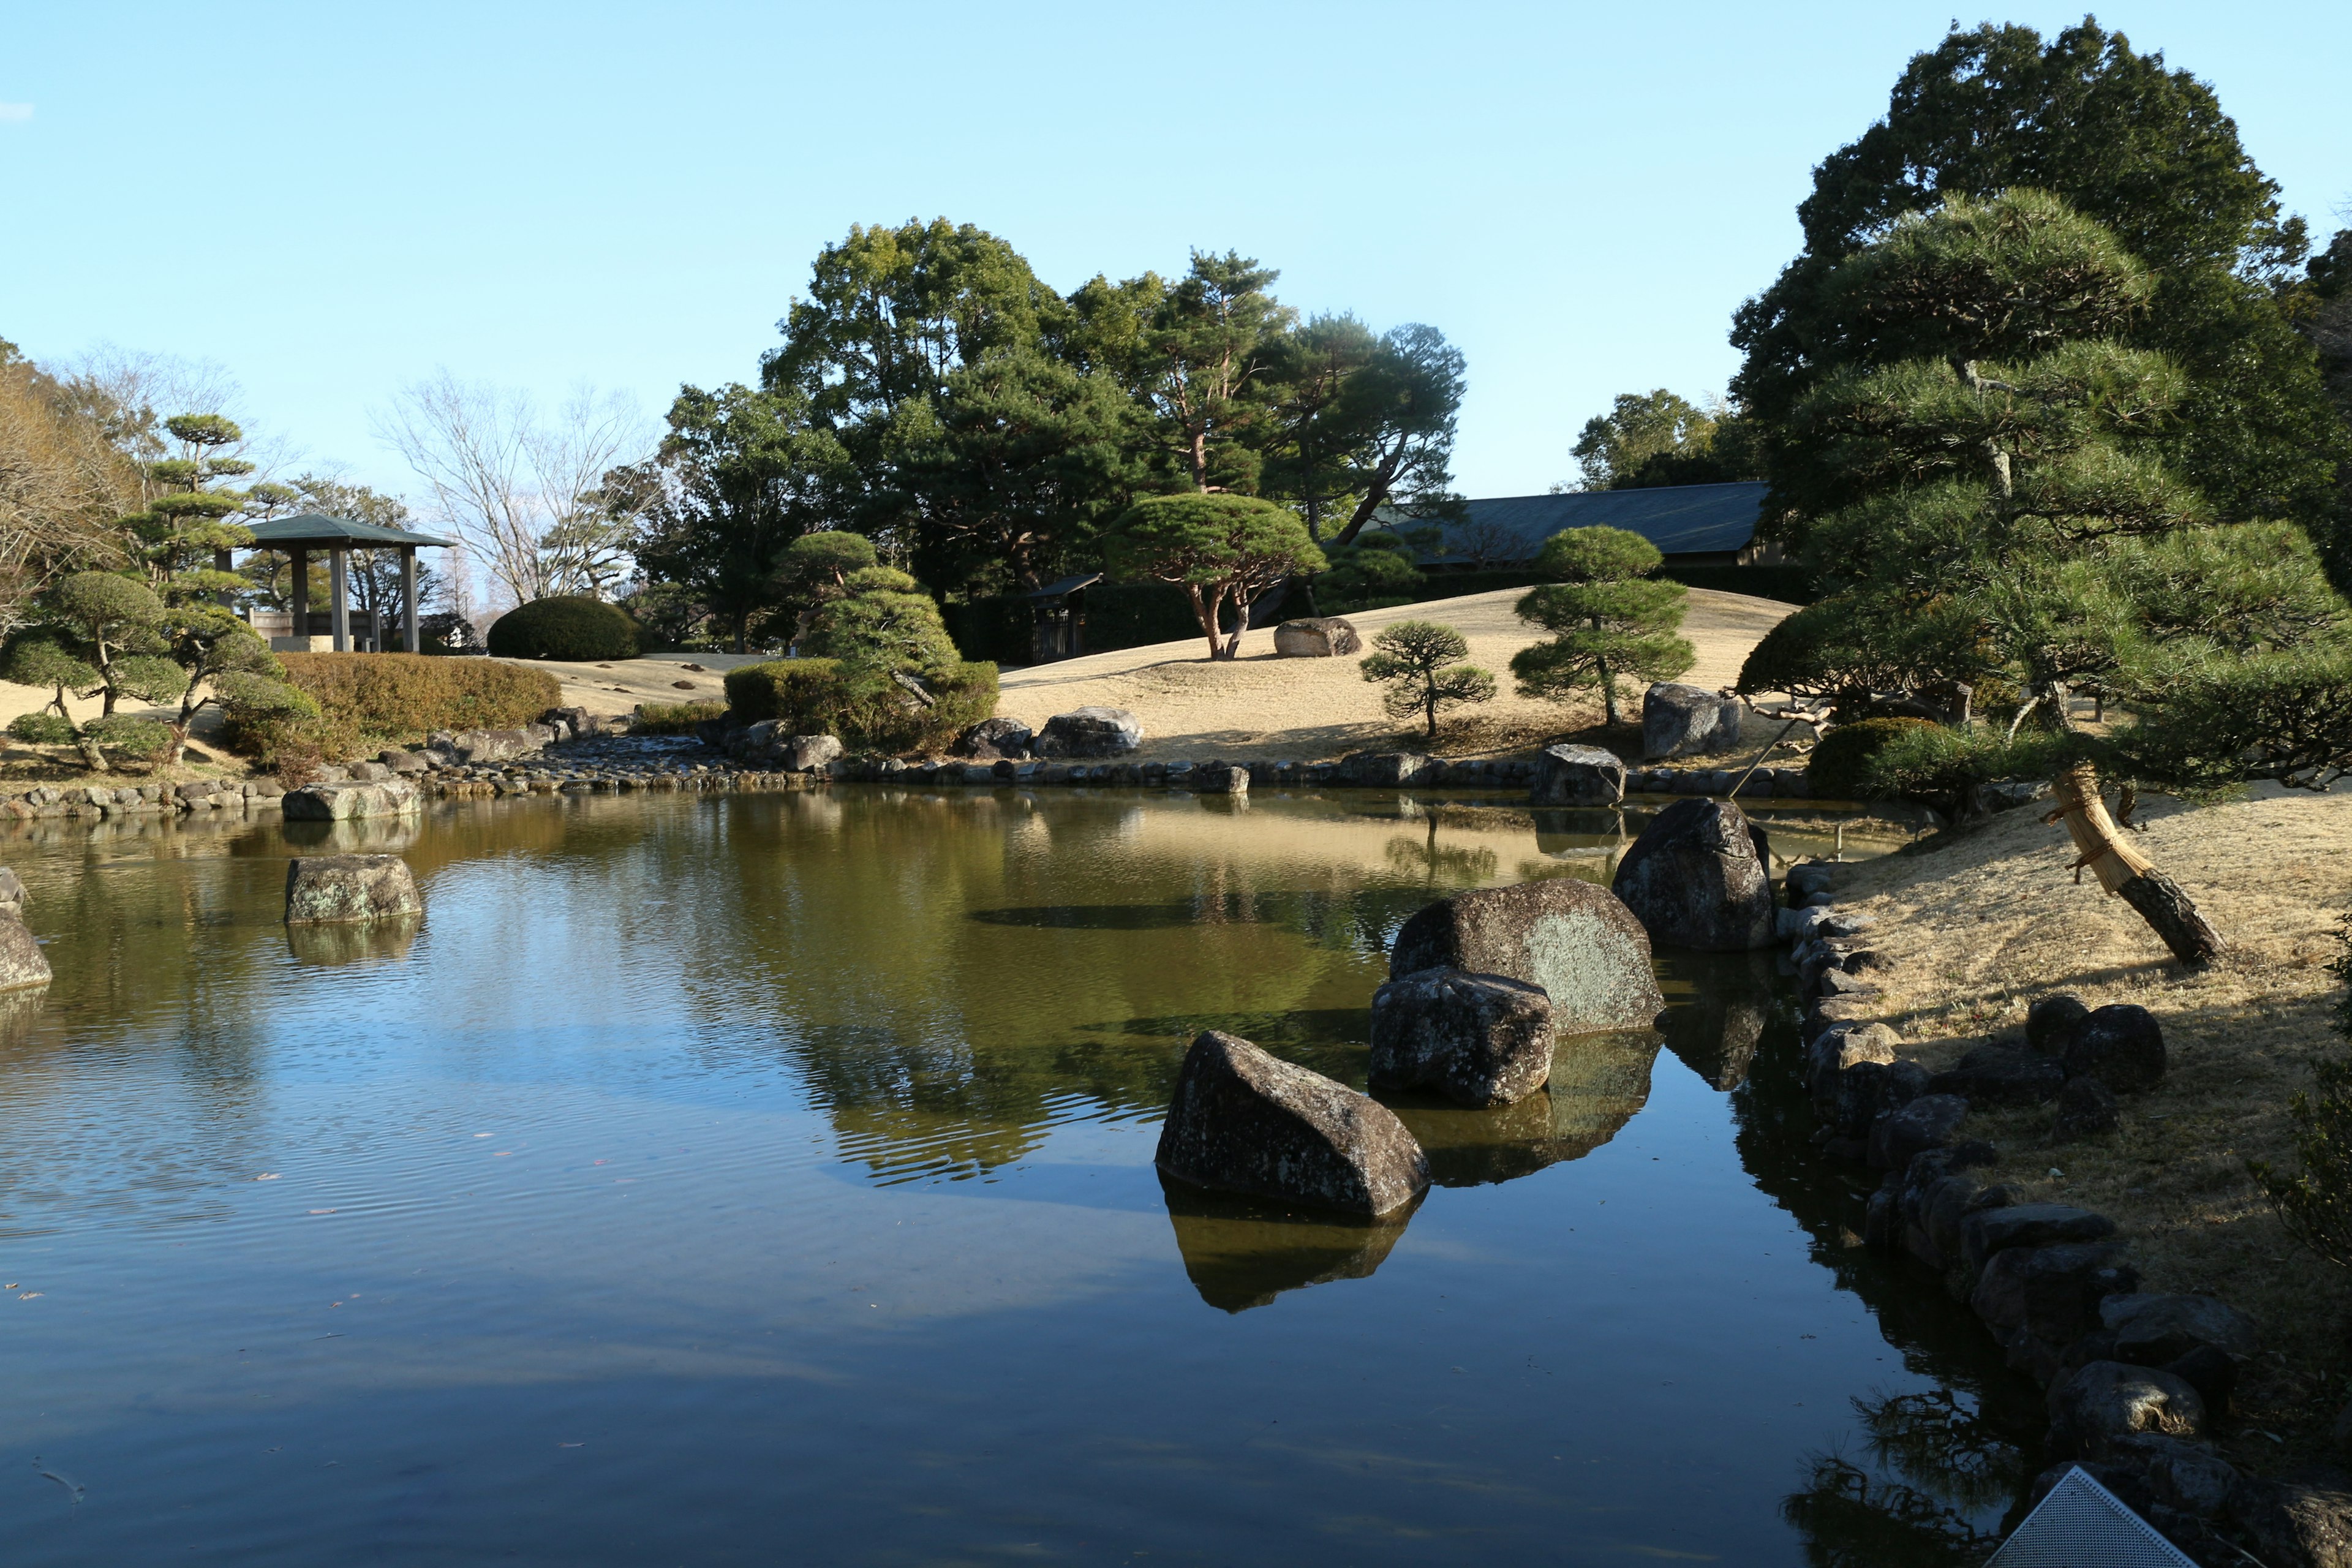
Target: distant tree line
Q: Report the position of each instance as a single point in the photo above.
(931, 394)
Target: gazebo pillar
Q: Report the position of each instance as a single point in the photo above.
(301, 595)
(340, 606)
(408, 643)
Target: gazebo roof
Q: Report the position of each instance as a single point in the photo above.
(317, 528)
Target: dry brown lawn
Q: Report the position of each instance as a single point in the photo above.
(1982, 922)
(1259, 706)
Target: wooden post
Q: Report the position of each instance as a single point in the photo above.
(339, 609)
(301, 595)
(408, 643)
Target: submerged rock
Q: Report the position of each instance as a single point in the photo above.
(1477, 1039)
(1697, 878)
(1575, 940)
(350, 888)
(1244, 1120)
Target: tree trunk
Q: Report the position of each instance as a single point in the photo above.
(1205, 610)
(2127, 873)
(91, 757)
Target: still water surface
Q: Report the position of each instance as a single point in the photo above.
(769, 1179)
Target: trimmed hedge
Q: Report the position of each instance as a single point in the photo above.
(570, 626)
(1839, 768)
(818, 697)
(674, 718)
(392, 697)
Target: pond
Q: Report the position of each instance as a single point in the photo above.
(769, 1178)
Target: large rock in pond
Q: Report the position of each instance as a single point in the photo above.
(1697, 878)
(992, 739)
(1090, 733)
(22, 963)
(1572, 938)
(1680, 720)
(2121, 1046)
(1246, 1121)
(1578, 775)
(345, 802)
(350, 888)
(1317, 637)
(1477, 1039)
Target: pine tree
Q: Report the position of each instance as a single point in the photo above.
(2011, 523)
(1419, 662)
(1608, 618)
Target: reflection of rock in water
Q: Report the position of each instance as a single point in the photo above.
(356, 836)
(19, 1011)
(351, 941)
(1598, 1082)
(1241, 1253)
(1717, 1006)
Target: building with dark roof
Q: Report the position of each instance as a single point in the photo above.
(1692, 525)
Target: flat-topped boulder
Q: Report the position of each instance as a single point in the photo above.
(1572, 938)
(473, 746)
(345, 802)
(1244, 1120)
(1680, 720)
(1317, 637)
(1576, 775)
(1697, 878)
(1090, 733)
(1477, 1039)
(350, 888)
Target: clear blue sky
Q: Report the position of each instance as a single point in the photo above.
(331, 200)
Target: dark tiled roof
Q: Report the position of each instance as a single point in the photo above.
(317, 528)
(1680, 519)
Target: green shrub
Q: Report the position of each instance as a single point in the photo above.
(820, 697)
(1839, 764)
(806, 693)
(1944, 767)
(359, 699)
(570, 626)
(129, 735)
(675, 718)
(42, 729)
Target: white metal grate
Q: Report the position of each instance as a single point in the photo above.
(2082, 1524)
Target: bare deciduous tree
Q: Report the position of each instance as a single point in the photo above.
(519, 489)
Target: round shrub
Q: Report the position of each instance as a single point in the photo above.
(42, 729)
(570, 626)
(1838, 770)
(128, 735)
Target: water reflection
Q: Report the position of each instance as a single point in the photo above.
(1241, 1253)
(1940, 1465)
(353, 942)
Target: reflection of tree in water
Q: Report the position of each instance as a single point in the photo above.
(1459, 865)
(1941, 1460)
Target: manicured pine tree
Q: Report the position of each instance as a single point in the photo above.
(1419, 662)
(1608, 617)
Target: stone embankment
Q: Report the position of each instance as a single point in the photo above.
(2135, 1380)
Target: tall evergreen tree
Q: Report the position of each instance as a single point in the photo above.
(2145, 151)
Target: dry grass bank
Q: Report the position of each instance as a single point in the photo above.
(1989, 920)
(1259, 706)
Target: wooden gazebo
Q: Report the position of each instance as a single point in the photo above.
(337, 537)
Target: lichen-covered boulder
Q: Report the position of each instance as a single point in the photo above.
(1575, 940)
(1090, 733)
(22, 963)
(1317, 637)
(1477, 1039)
(350, 888)
(1697, 878)
(1242, 1121)
(1578, 775)
(347, 802)
(1680, 720)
